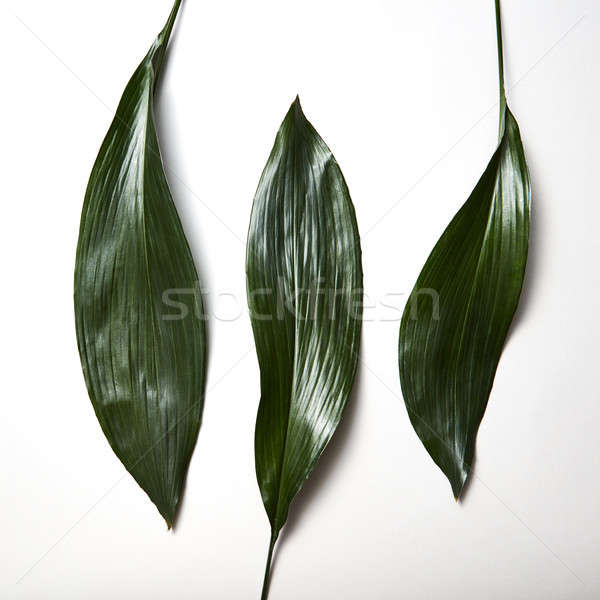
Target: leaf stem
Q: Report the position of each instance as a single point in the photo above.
(265, 588)
(160, 45)
(500, 70)
(170, 22)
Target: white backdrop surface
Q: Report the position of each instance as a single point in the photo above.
(405, 94)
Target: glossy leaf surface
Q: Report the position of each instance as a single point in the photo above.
(304, 281)
(458, 315)
(143, 362)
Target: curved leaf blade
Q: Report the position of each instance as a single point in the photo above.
(303, 244)
(448, 353)
(144, 369)
(448, 360)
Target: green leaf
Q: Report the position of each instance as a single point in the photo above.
(304, 283)
(144, 364)
(458, 315)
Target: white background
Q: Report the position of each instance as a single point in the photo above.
(405, 95)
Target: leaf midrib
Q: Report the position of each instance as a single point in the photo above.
(276, 527)
(148, 90)
(475, 277)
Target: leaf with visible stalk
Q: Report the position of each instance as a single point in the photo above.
(304, 283)
(458, 315)
(144, 367)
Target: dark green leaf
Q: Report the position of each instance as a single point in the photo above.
(304, 280)
(144, 367)
(457, 317)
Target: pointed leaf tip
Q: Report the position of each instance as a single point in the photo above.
(458, 485)
(296, 109)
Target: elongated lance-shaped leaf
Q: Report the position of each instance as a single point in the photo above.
(143, 362)
(304, 283)
(457, 317)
